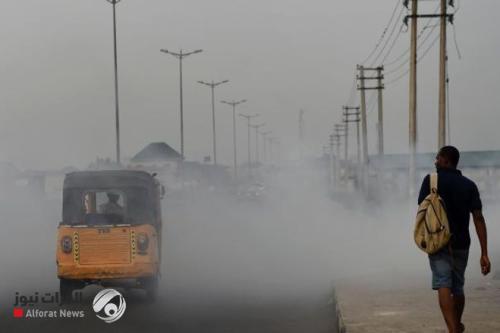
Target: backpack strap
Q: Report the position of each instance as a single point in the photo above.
(434, 182)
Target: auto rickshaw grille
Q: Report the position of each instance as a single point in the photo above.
(133, 247)
(104, 246)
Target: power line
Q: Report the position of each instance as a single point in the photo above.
(390, 36)
(456, 42)
(397, 68)
(393, 43)
(384, 32)
(418, 60)
(426, 26)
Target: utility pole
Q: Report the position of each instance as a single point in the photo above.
(343, 129)
(337, 137)
(181, 55)
(352, 114)
(442, 77)
(413, 81)
(249, 119)
(256, 127)
(413, 96)
(364, 130)
(331, 169)
(340, 131)
(353, 111)
(117, 104)
(235, 162)
(379, 87)
(212, 86)
(380, 125)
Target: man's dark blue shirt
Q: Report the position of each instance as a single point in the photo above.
(461, 198)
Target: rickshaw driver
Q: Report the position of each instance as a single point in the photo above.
(112, 206)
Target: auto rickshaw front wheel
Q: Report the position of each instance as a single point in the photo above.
(66, 288)
(150, 285)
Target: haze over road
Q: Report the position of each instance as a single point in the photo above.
(228, 265)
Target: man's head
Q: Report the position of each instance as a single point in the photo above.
(447, 158)
(113, 197)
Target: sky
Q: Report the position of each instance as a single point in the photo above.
(56, 75)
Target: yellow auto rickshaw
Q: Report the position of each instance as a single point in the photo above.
(110, 232)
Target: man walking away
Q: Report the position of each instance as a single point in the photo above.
(461, 198)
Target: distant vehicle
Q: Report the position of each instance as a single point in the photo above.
(110, 233)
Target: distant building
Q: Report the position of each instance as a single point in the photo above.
(158, 153)
(160, 158)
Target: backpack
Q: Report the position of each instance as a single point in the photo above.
(432, 230)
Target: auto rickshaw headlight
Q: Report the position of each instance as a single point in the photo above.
(66, 244)
(142, 243)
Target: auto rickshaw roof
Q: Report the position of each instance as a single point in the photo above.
(108, 179)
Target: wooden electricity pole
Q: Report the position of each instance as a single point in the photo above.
(380, 125)
(379, 87)
(444, 17)
(347, 119)
(364, 130)
(442, 77)
(413, 97)
(331, 168)
(336, 141)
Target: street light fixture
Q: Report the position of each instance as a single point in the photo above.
(181, 55)
(234, 104)
(117, 107)
(212, 85)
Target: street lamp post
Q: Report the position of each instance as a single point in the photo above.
(249, 119)
(257, 141)
(264, 140)
(212, 85)
(235, 161)
(117, 107)
(181, 55)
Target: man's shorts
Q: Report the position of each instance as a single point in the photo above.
(448, 270)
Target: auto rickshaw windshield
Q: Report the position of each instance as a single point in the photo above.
(107, 206)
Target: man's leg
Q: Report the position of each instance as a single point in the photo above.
(459, 301)
(460, 258)
(448, 308)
